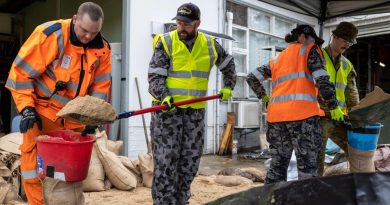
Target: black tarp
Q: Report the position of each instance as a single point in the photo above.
(349, 189)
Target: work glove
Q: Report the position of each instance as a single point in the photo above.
(168, 100)
(337, 114)
(29, 117)
(89, 129)
(225, 93)
(265, 100)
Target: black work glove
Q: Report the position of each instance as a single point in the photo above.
(89, 129)
(29, 117)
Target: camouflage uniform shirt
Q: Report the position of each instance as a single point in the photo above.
(315, 63)
(160, 59)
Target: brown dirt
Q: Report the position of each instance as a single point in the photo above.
(88, 110)
(203, 189)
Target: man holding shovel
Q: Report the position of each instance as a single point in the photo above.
(60, 60)
(179, 70)
(343, 76)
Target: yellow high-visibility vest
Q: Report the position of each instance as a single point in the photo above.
(188, 75)
(338, 77)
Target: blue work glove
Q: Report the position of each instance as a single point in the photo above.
(337, 114)
(29, 117)
(265, 100)
(168, 100)
(226, 93)
(89, 129)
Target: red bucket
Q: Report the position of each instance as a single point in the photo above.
(65, 155)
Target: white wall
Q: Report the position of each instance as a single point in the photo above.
(142, 14)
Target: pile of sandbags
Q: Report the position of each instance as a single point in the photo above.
(8, 193)
(9, 167)
(251, 173)
(233, 176)
(107, 169)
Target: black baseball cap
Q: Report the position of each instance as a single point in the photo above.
(309, 31)
(187, 12)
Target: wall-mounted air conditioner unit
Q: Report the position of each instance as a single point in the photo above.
(247, 114)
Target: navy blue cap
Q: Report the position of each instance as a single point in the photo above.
(307, 30)
(188, 12)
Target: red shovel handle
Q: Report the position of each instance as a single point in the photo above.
(163, 107)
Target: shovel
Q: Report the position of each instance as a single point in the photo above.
(165, 106)
(81, 111)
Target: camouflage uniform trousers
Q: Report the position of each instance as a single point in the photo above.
(304, 137)
(335, 131)
(177, 143)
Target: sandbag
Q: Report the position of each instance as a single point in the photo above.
(132, 166)
(17, 202)
(255, 175)
(115, 146)
(11, 142)
(206, 179)
(8, 192)
(338, 169)
(95, 177)
(116, 172)
(373, 108)
(376, 96)
(4, 171)
(57, 192)
(258, 175)
(232, 180)
(361, 161)
(146, 167)
(382, 158)
(88, 110)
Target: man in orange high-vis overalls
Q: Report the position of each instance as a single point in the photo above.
(60, 60)
(293, 110)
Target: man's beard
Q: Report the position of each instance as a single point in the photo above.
(188, 36)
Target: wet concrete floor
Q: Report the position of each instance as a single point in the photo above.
(212, 164)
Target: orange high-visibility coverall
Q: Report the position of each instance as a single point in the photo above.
(51, 54)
